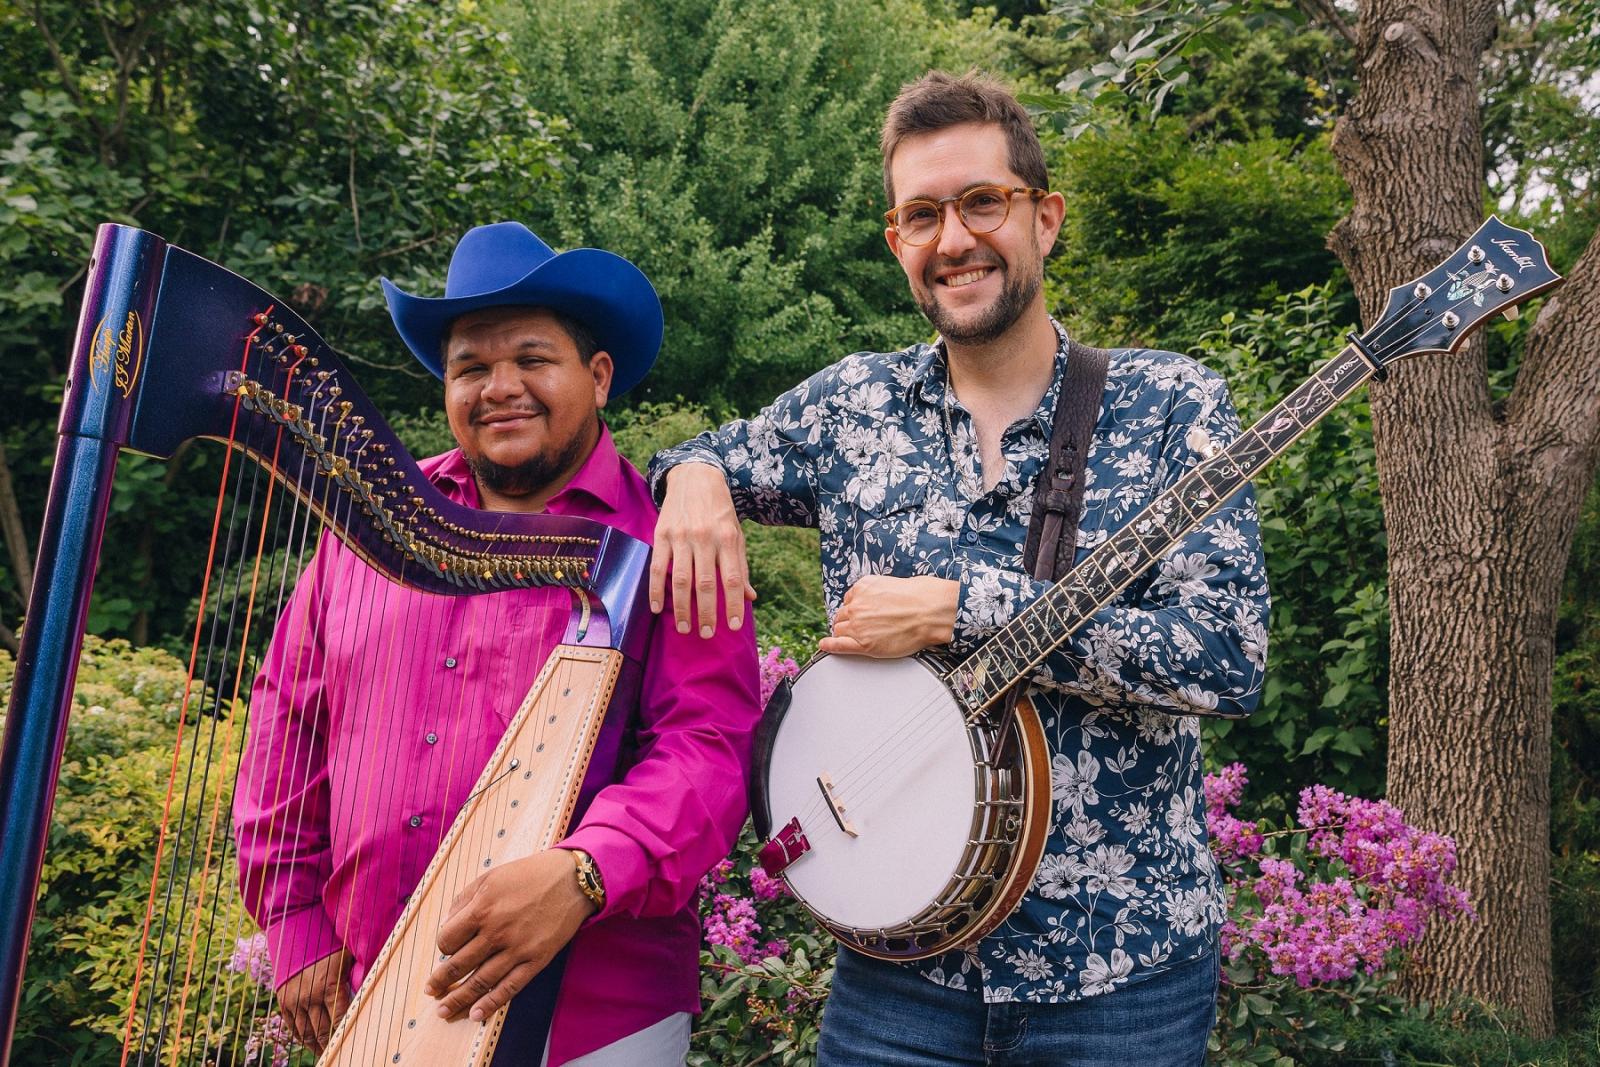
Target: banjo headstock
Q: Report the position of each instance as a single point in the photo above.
(1494, 270)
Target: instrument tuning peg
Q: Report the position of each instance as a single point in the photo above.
(1511, 313)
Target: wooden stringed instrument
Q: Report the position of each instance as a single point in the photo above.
(171, 347)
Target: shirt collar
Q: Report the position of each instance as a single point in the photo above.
(929, 378)
(599, 479)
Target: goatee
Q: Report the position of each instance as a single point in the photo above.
(1015, 296)
(532, 474)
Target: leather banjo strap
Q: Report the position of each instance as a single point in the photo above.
(1058, 496)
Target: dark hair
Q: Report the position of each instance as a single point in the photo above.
(939, 100)
(577, 332)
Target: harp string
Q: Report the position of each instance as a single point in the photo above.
(186, 1004)
(183, 712)
(296, 779)
(218, 577)
(209, 869)
(242, 660)
(192, 807)
(233, 935)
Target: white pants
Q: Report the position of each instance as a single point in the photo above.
(664, 1044)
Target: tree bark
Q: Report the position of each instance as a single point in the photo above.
(1480, 504)
(11, 529)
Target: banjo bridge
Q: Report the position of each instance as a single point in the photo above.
(835, 808)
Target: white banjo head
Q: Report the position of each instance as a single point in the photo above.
(891, 741)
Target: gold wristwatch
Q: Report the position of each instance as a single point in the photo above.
(589, 878)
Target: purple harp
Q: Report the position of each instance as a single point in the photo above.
(171, 347)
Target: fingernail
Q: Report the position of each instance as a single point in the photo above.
(444, 1012)
(477, 1015)
(705, 631)
(655, 605)
(735, 623)
(683, 627)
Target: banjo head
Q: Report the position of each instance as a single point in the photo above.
(885, 742)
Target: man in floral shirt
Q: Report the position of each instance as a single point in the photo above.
(918, 468)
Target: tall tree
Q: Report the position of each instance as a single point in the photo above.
(1481, 497)
(1485, 458)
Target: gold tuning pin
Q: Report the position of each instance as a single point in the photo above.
(1511, 313)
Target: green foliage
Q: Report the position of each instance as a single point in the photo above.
(1322, 714)
(1575, 775)
(1163, 236)
(100, 856)
(1463, 1034)
(768, 1011)
(1273, 1021)
(731, 151)
(1152, 47)
(309, 149)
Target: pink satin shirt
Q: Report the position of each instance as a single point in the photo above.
(339, 808)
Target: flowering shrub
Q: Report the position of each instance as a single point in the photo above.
(1332, 897)
(765, 969)
(269, 1041)
(1319, 911)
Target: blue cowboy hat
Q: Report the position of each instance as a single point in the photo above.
(506, 263)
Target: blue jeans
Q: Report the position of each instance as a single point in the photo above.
(886, 1015)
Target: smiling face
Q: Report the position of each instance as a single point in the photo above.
(522, 403)
(972, 287)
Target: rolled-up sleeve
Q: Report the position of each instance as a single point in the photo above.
(771, 462)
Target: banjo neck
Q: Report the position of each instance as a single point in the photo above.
(1012, 652)
(1494, 270)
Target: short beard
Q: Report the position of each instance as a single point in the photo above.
(531, 475)
(1014, 299)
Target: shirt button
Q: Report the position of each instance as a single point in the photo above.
(449, 661)
(433, 738)
(416, 821)
(972, 537)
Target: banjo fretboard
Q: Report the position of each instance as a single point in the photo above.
(1036, 631)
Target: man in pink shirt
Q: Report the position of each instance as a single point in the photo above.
(338, 810)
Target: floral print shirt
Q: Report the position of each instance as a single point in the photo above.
(878, 453)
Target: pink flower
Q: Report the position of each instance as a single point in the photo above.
(1384, 881)
(732, 922)
(775, 667)
(272, 1037)
(250, 957)
(765, 887)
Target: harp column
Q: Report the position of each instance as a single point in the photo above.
(102, 390)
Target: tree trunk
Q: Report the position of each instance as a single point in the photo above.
(1480, 504)
(16, 538)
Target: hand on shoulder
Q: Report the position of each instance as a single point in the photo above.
(700, 545)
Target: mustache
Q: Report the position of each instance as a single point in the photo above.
(480, 412)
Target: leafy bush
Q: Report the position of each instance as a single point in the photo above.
(100, 857)
(1323, 710)
(1319, 911)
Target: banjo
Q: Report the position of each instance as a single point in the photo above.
(905, 808)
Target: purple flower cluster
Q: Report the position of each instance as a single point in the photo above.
(730, 920)
(775, 667)
(1380, 882)
(1233, 840)
(727, 917)
(271, 1042)
(250, 957)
